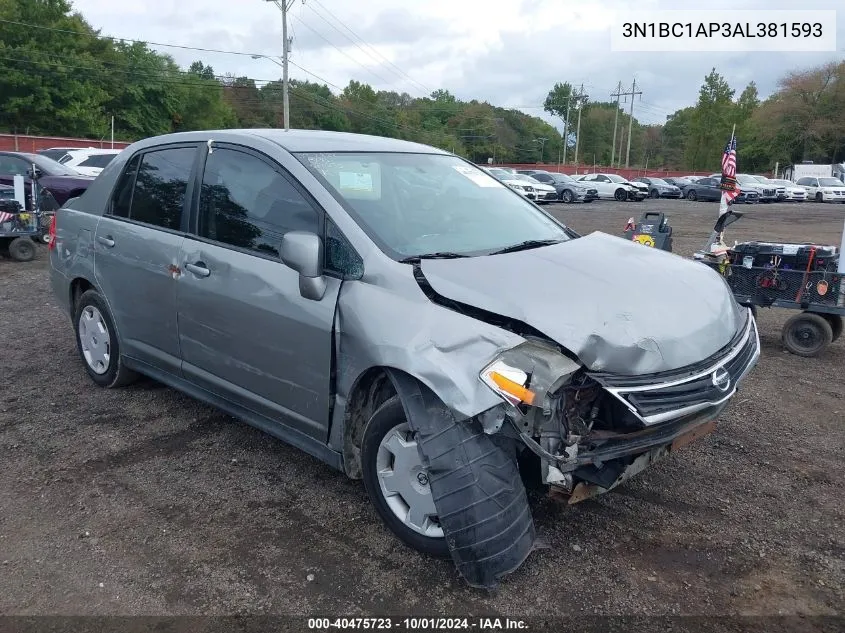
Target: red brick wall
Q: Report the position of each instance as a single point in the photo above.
(23, 143)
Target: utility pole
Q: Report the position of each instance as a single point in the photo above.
(284, 6)
(618, 95)
(542, 141)
(566, 125)
(633, 93)
(581, 98)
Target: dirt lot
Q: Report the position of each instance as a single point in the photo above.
(143, 501)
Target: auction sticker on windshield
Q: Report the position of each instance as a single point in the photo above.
(479, 178)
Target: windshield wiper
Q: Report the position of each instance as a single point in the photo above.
(524, 246)
(442, 255)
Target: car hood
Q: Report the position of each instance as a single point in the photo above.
(619, 306)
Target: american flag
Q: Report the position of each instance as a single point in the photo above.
(5, 217)
(729, 186)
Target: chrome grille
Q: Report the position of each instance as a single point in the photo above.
(704, 388)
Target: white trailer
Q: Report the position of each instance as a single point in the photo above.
(809, 170)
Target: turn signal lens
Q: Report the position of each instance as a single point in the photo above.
(508, 382)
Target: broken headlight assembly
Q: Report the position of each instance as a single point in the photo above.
(548, 400)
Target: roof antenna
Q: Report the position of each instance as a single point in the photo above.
(210, 146)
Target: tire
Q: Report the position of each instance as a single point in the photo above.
(691, 195)
(566, 196)
(589, 201)
(654, 194)
(807, 334)
(819, 197)
(98, 338)
(22, 249)
(836, 325)
(620, 195)
(389, 426)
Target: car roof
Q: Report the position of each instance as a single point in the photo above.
(300, 140)
(93, 152)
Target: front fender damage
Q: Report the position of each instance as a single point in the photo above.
(475, 483)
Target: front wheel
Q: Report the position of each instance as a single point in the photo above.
(807, 334)
(819, 197)
(691, 195)
(654, 194)
(397, 483)
(620, 195)
(566, 196)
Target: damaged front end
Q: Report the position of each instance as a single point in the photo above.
(592, 431)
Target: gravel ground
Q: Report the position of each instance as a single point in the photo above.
(144, 501)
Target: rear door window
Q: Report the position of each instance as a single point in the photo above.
(158, 197)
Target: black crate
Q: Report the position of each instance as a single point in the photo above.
(766, 285)
(653, 230)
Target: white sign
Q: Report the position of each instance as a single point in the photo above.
(20, 192)
(723, 31)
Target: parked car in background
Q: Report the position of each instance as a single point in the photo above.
(62, 182)
(659, 188)
(89, 161)
(709, 190)
(747, 183)
(401, 316)
(780, 190)
(792, 192)
(823, 189)
(543, 193)
(568, 189)
(615, 187)
(57, 153)
(509, 178)
(678, 181)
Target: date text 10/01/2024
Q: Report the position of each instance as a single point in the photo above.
(722, 29)
(418, 624)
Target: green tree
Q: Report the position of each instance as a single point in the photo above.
(712, 120)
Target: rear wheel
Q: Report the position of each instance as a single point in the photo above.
(566, 196)
(22, 249)
(621, 195)
(807, 334)
(98, 344)
(691, 195)
(397, 483)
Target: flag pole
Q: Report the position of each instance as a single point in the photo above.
(715, 235)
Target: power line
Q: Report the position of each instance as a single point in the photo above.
(359, 38)
(126, 39)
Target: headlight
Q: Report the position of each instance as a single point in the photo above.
(517, 187)
(526, 373)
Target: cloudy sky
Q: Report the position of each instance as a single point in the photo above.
(507, 52)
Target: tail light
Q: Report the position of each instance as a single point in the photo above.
(52, 234)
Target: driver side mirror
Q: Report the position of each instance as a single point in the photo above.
(34, 172)
(303, 252)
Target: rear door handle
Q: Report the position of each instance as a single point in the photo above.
(198, 269)
(106, 241)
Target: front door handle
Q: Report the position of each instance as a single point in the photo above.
(198, 269)
(105, 241)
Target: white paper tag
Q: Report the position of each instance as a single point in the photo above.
(790, 249)
(479, 178)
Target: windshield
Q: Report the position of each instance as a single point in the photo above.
(418, 204)
(526, 177)
(658, 181)
(615, 178)
(783, 183)
(49, 166)
(745, 179)
(563, 178)
(829, 182)
(762, 179)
